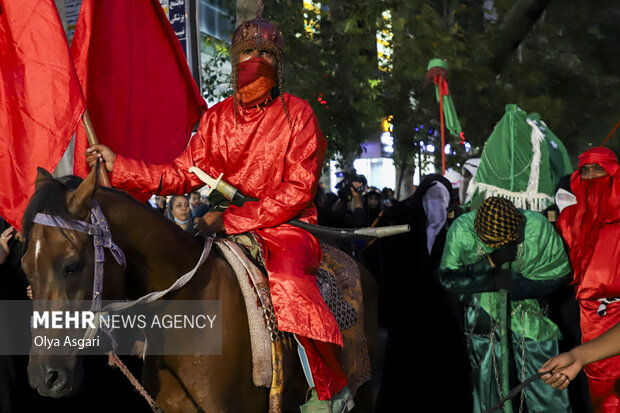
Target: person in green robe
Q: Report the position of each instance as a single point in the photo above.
(502, 247)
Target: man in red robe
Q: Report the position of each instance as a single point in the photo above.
(591, 229)
(267, 144)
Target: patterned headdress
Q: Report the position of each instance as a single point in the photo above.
(498, 222)
(258, 34)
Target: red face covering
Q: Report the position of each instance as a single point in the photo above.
(598, 203)
(255, 80)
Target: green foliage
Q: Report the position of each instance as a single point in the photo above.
(215, 82)
(566, 69)
(569, 72)
(335, 68)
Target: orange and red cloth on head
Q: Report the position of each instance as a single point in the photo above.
(607, 159)
(256, 78)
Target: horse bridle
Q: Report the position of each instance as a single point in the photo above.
(102, 238)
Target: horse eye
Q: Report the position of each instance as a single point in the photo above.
(72, 268)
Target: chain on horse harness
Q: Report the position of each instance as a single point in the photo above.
(102, 238)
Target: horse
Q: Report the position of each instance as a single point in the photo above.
(59, 264)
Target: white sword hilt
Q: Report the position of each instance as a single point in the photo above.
(211, 182)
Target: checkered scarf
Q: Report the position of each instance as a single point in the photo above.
(498, 222)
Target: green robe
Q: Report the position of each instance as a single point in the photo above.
(541, 266)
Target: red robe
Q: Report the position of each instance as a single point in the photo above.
(592, 235)
(265, 159)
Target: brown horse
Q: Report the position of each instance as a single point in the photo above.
(59, 264)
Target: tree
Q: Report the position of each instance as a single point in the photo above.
(544, 56)
(333, 65)
(548, 58)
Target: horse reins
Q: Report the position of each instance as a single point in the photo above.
(102, 238)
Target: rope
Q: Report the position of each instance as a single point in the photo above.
(115, 361)
(259, 9)
(495, 326)
(522, 356)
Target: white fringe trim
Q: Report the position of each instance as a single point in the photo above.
(531, 199)
(537, 137)
(524, 200)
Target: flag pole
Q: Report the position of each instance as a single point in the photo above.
(610, 133)
(443, 134)
(92, 140)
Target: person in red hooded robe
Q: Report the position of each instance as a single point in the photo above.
(591, 230)
(267, 144)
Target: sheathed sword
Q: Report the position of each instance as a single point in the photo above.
(233, 194)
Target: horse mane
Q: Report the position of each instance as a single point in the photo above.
(49, 198)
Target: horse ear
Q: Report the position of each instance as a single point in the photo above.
(43, 177)
(78, 202)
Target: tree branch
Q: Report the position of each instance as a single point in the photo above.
(516, 26)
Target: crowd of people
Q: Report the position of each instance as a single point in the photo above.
(184, 210)
(493, 247)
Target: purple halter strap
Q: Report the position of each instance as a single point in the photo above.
(102, 238)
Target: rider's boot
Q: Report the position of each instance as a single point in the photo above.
(340, 403)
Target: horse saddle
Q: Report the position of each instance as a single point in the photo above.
(339, 282)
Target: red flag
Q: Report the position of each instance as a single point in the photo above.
(142, 98)
(40, 99)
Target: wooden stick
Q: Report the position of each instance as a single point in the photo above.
(92, 140)
(504, 331)
(443, 133)
(610, 133)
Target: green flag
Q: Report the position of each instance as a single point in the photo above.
(522, 160)
(437, 71)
